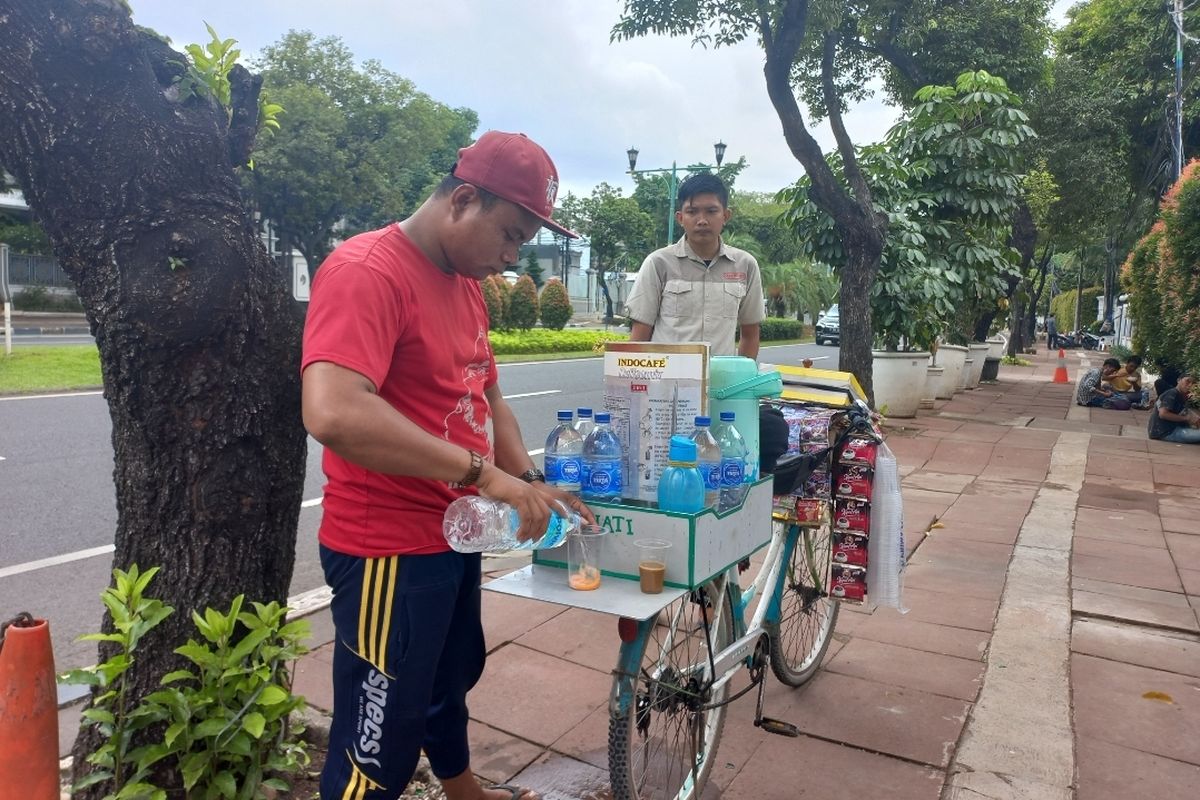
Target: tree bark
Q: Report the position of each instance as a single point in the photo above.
(199, 338)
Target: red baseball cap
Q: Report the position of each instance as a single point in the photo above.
(514, 168)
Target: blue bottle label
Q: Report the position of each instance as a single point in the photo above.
(602, 478)
(732, 472)
(553, 468)
(570, 470)
(712, 476)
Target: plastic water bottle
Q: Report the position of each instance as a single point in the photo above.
(475, 524)
(563, 456)
(584, 424)
(602, 466)
(734, 476)
(708, 459)
(681, 487)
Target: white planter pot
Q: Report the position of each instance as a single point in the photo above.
(899, 380)
(996, 346)
(976, 353)
(933, 382)
(952, 359)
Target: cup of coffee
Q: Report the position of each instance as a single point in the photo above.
(583, 557)
(652, 564)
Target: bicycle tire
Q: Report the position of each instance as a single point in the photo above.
(664, 732)
(808, 614)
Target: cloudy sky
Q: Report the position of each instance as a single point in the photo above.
(546, 67)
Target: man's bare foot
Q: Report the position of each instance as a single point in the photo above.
(465, 786)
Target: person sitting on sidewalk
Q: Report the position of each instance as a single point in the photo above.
(1172, 420)
(1128, 382)
(1095, 392)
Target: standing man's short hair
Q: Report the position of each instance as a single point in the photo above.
(702, 183)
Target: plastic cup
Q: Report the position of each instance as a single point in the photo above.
(652, 564)
(583, 557)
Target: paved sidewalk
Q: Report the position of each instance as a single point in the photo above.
(27, 323)
(1051, 648)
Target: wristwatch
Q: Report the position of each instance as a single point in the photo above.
(533, 474)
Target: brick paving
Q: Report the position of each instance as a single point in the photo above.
(895, 712)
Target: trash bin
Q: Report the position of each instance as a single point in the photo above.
(991, 370)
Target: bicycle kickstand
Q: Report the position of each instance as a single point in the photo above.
(768, 724)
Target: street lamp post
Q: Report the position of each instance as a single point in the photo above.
(632, 153)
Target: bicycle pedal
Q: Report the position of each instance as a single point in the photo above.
(778, 726)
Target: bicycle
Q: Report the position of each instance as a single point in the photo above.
(672, 680)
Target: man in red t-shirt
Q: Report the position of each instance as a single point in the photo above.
(399, 385)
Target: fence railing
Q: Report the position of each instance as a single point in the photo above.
(25, 269)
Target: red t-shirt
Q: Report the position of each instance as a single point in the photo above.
(382, 309)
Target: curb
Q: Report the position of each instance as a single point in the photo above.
(73, 330)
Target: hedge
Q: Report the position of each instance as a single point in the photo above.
(546, 341)
(523, 306)
(1063, 308)
(776, 328)
(1163, 280)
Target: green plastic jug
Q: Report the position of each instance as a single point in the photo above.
(735, 384)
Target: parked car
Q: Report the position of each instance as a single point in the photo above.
(828, 330)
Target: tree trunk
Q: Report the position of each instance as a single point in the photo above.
(199, 339)
(861, 227)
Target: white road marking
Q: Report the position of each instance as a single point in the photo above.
(537, 452)
(54, 561)
(532, 394)
(49, 396)
(316, 501)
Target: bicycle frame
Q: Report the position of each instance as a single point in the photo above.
(768, 580)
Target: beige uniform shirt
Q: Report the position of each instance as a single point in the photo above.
(686, 301)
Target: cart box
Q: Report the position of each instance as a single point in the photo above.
(702, 544)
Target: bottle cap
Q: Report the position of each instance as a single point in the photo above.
(603, 417)
(583, 412)
(703, 422)
(566, 415)
(682, 449)
(728, 416)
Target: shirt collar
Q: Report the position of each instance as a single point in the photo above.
(684, 250)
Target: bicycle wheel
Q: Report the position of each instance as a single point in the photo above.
(665, 721)
(807, 614)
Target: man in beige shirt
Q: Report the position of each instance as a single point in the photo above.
(699, 289)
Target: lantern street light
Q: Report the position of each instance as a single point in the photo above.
(672, 194)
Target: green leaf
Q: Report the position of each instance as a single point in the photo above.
(272, 695)
(209, 727)
(254, 723)
(224, 781)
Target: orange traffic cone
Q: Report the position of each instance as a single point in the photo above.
(28, 711)
(1060, 374)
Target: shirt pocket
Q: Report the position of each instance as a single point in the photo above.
(680, 299)
(731, 298)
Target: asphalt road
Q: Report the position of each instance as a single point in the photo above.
(57, 507)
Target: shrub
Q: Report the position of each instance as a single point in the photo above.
(777, 328)
(494, 302)
(1063, 307)
(1164, 283)
(523, 307)
(556, 309)
(504, 289)
(224, 719)
(550, 341)
(39, 298)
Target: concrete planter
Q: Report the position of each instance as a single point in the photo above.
(997, 346)
(976, 353)
(933, 382)
(899, 380)
(951, 358)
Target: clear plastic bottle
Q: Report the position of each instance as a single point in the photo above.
(602, 467)
(475, 524)
(734, 475)
(681, 487)
(708, 459)
(563, 455)
(584, 424)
